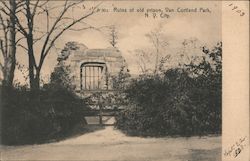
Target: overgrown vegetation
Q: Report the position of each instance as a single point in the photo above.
(178, 101)
(38, 116)
(185, 100)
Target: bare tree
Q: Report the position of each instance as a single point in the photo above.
(8, 42)
(144, 60)
(113, 36)
(149, 59)
(159, 42)
(55, 27)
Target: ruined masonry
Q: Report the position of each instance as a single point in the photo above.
(92, 69)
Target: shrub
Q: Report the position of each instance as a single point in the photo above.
(174, 105)
(35, 117)
(39, 116)
(180, 101)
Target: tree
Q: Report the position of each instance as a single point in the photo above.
(190, 50)
(61, 77)
(159, 43)
(113, 36)
(149, 59)
(121, 80)
(145, 60)
(185, 101)
(8, 42)
(210, 64)
(47, 36)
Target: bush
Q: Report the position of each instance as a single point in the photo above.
(180, 101)
(39, 116)
(35, 117)
(174, 105)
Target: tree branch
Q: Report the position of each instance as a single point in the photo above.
(44, 52)
(4, 47)
(4, 11)
(34, 10)
(1, 67)
(39, 38)
(53, 28)
(23, 47)
(20, 3)
(68, 27)
(23, 31)
(20, 39)
(63, 12)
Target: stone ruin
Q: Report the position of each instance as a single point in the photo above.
(92, 69)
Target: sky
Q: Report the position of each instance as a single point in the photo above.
(133, 26)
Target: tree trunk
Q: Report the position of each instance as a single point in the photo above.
(34, 74)
(31, 71)
(36, 82)
(8, 75)
(34, 71)
(10, 61)
(157, 56)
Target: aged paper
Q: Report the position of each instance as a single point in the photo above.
(100, 40)
(235, 36)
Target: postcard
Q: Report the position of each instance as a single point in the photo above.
(124, 80)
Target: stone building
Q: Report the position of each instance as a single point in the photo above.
(92, 69)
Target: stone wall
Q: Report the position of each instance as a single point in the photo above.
(76, 55)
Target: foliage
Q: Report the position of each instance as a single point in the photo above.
(122, 79)
(61, 77)
(38, 116)
(181, 101)
(119, 83)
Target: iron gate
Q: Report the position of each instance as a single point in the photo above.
(102, 108)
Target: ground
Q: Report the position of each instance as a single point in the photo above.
(109, 143)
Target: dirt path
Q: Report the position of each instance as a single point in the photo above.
(111, 144)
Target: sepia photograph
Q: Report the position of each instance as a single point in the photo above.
(114, 81)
